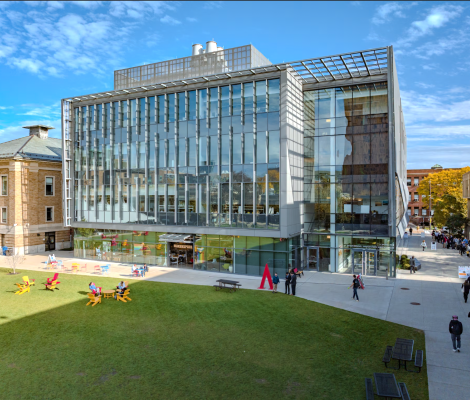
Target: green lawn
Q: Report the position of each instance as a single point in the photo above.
(182, 341)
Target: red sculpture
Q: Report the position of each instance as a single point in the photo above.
(266, 274)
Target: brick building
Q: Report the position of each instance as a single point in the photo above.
(31, 193)
(418, 206)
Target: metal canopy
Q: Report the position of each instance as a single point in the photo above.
(341, 66)
(172, 237)
(314, 70)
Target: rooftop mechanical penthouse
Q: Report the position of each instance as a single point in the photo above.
(223, 161)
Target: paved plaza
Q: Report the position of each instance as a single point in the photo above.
(435, 287)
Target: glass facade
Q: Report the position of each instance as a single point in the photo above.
(207, 157)
(346, 190)
(217, 253)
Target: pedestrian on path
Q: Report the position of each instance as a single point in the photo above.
(293, 282)
(413, 265)
(287, 282)
(466, 289)
(423, 244)
(411, 231)
(275, 283)
(355, 285)
(455, 330)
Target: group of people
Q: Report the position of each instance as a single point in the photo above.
(290, 280)
(451, 242)
(141, 271)
(97, 290)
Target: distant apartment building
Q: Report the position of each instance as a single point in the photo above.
(31, 193)
(418, 206)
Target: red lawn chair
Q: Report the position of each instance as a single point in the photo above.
(50, 280)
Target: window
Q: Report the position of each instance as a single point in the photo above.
(408, 181)
(416, 181)
(415, 212)
(416, 197)
(409, 211)
(424, 212)
(49, 186)
(49, 214)
(4, 215)
(4, 185)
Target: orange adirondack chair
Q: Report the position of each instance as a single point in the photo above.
(22, 288)
(124, 297)
(93, 299)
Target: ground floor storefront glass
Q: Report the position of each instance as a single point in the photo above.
(246, 255)
(349, 254)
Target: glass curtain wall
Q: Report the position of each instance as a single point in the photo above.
(245, 255)
(346, 174)
(207, 157)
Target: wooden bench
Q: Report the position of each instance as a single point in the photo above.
(404, 391)
(419, 360)
(387, 356)
(369, 389)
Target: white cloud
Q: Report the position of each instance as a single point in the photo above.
(212, 4)
(436, 18)
(138, 9)
(424, 155)
(153, 40)
(419, 107)
(424, 85)
(355, 3)
(385, 12)
(190, 19)
(87, 4)
(169, 20)
(27, 64)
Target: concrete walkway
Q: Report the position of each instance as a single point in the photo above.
(436, 287)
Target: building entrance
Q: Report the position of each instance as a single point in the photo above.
(180, 254)
(365, 261)
(50, 241)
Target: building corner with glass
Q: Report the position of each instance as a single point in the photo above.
(224, 162)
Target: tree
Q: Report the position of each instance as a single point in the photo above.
(446, 193)
(456, 222)
(14, 259)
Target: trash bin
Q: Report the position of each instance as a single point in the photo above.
(4, 250)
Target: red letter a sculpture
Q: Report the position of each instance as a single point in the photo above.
(266, 274)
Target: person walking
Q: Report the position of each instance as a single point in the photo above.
(423, 244)
(466, 289)
(455, 330)
(413, 265)
(275, 283)
(411, 231)
(355, 285)
(293, 282)
(287, 282)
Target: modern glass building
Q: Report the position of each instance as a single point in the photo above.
(243, 165)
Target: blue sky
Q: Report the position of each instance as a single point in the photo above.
(53, 50)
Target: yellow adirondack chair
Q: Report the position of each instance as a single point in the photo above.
(22, 288)
(51, 286)
(94, 300)
(29, 282)
(124, 297)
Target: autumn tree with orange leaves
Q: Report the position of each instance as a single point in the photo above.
(446, 194)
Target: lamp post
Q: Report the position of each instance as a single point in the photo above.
(430, 202)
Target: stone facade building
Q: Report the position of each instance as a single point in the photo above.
(31, 193)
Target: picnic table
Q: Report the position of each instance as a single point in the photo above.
(387, 386)
(227, 284)
(403, 351)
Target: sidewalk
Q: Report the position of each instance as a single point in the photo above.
(436, 287)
